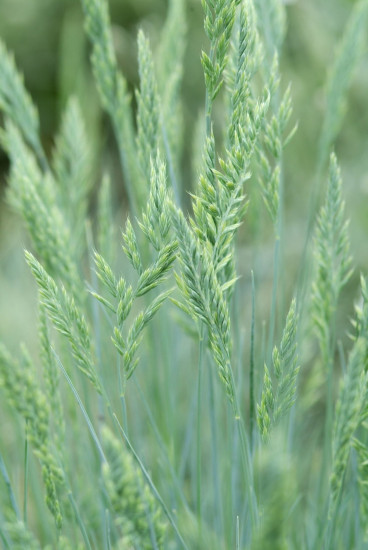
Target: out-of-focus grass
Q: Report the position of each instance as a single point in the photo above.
(51, 49)
(53, 53)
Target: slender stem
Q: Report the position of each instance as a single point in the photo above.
(184, 455)
(9, 488)
(245, 450)
(276, 263)
(108, 530)
(246, 459)
(200, 360)
(161, 445)
(125, 414)
(81, 406)
(118, 367)
(96, 319)
(331, 518)
(121, 395)
(97, 333)
(248, 471)
(235, 478)
(151, 484)
(214, 454)
(237, 545)
(251, 371)
(3, 536)
(40, 154)
(100, 450)
(263, 340)
(127, 176)
(170, 164)
(328, 360)
(304, 272)
(25, 494)
(79, 521)
(358, 531)
(329, 409)
(279, 236)
(342, 356)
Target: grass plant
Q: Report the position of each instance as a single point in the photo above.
(158, 412)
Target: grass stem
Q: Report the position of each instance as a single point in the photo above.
(25, 493)
(151, 484)
(79, 521)
(81, 406)
(199, 439)
(9, 487)
(251, 371)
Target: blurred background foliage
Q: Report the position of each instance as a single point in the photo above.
(52, 51)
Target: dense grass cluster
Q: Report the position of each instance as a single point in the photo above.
(159, 413)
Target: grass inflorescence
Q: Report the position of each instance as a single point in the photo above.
(162, 408)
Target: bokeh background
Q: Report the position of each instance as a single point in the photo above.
(52, 51)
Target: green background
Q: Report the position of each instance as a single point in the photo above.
(52, 51)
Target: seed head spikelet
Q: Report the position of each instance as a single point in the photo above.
(155, 222)
(112, 88)
(247, 57)
(169, 61)
(359, 442)
(136, 517)
(155, 273)
(25, 395)
(20, 535)
(340, 76)
(360, 322)
(218, 24)
(147, 109)
(155, 225)
(33, 194)
(271, 17)
(16, 103)
(71, 163)
(275, 139)
(348, 413)
(130, 247)
(66, 318)
(203, 293)
(332, 257)
(362, 454)
(51, 378)
(278, 396)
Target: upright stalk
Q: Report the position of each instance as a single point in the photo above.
(328, 427)
(9, 488)
(246, 459)
(251, 372)
(199, 396)
(218, 518)
(151, 484)
(79, 521)
(96, 320)
(25, 493)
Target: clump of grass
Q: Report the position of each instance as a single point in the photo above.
(137, 516)
(121, 446)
